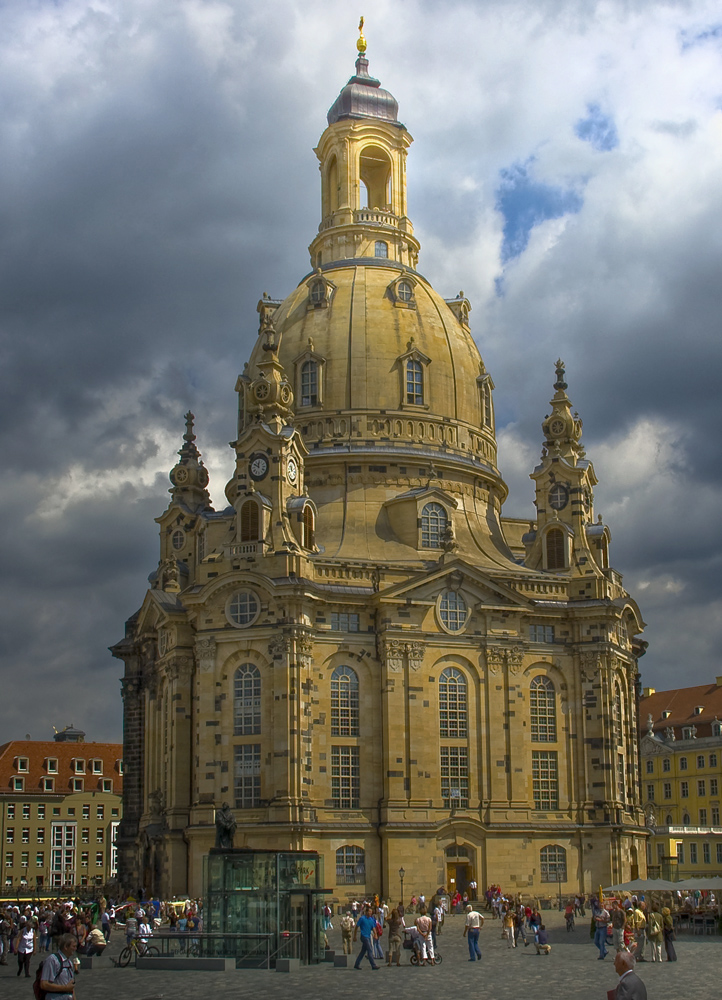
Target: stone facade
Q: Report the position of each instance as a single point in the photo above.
(359, 652)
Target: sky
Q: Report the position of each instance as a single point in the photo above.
(157, 175)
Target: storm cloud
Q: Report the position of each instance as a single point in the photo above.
(157, 175)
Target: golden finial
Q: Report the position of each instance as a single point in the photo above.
(361, 43)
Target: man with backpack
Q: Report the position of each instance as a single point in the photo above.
(57, 976)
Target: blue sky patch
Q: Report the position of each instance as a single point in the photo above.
(525, 203)
(597, 129)
(689, 39)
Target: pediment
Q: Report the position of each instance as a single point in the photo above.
(157, 608)
(652, 746)
(424, 493)
(480, 588)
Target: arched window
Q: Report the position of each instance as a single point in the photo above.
(332, 185)
(555, 549)
(542, 700)
(344, 702)
(452, 610)
(309, 528)
(668, 820)
(309, 383)
(434, 521)
(553, 863)
(487, 414)
(452, 704)
(685, 819)
(178, 538)
(381, 249)
(350, 865)
(414, 383)
(246, 701)
(249, 521)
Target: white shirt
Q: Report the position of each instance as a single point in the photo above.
(473, 919)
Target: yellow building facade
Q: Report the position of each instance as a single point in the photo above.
(60, 808)
(359, 653)
(682, 779)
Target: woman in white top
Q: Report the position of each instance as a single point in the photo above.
(25, 946)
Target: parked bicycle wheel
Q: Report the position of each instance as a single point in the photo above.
(152, 951)
(125, 956)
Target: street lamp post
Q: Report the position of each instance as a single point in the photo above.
(402, 873)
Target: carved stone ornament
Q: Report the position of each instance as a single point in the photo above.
(277, 645)
(130, 688)
(495, 658)
(499, 656)
(304, 649)
(415, 653)
(393, 652)
(515, 658)
(590, 666)
(205, 650)
(180, 668)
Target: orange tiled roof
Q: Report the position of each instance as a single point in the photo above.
(681, 703)
(37, 753)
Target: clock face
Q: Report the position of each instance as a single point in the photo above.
(556, 427)
(261, 390)
(558, 497)
(292, 470)
(285, 394)
(180, 475)
(202, 477)
(258, 466)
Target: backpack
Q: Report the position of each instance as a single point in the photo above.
(39, 992)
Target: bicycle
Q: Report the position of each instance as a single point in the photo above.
(139, 947)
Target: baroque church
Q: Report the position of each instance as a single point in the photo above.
(359, 653)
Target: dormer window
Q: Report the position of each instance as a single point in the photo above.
(77, 784)
(317, 294)
(666, 714)
(401, 291)
(698, 709)
(381, 249)
(119, 765)
(320, 290)
(414, 383)
(79, 766)
(97, 767)
(51, 765)
(22, 765)
(434, 522)
(309, 383)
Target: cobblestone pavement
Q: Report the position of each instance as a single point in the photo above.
(571, 972)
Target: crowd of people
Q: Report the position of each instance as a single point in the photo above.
(630, 926)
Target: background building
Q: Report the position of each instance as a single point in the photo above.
(681, 779)
(359, 652)
(61, 803)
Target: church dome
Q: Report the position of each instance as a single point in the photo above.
(391, 358)
(363, 97)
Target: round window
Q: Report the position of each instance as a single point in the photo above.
(404, 291)
(178, 539)
(452, 610)
(243, 608)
